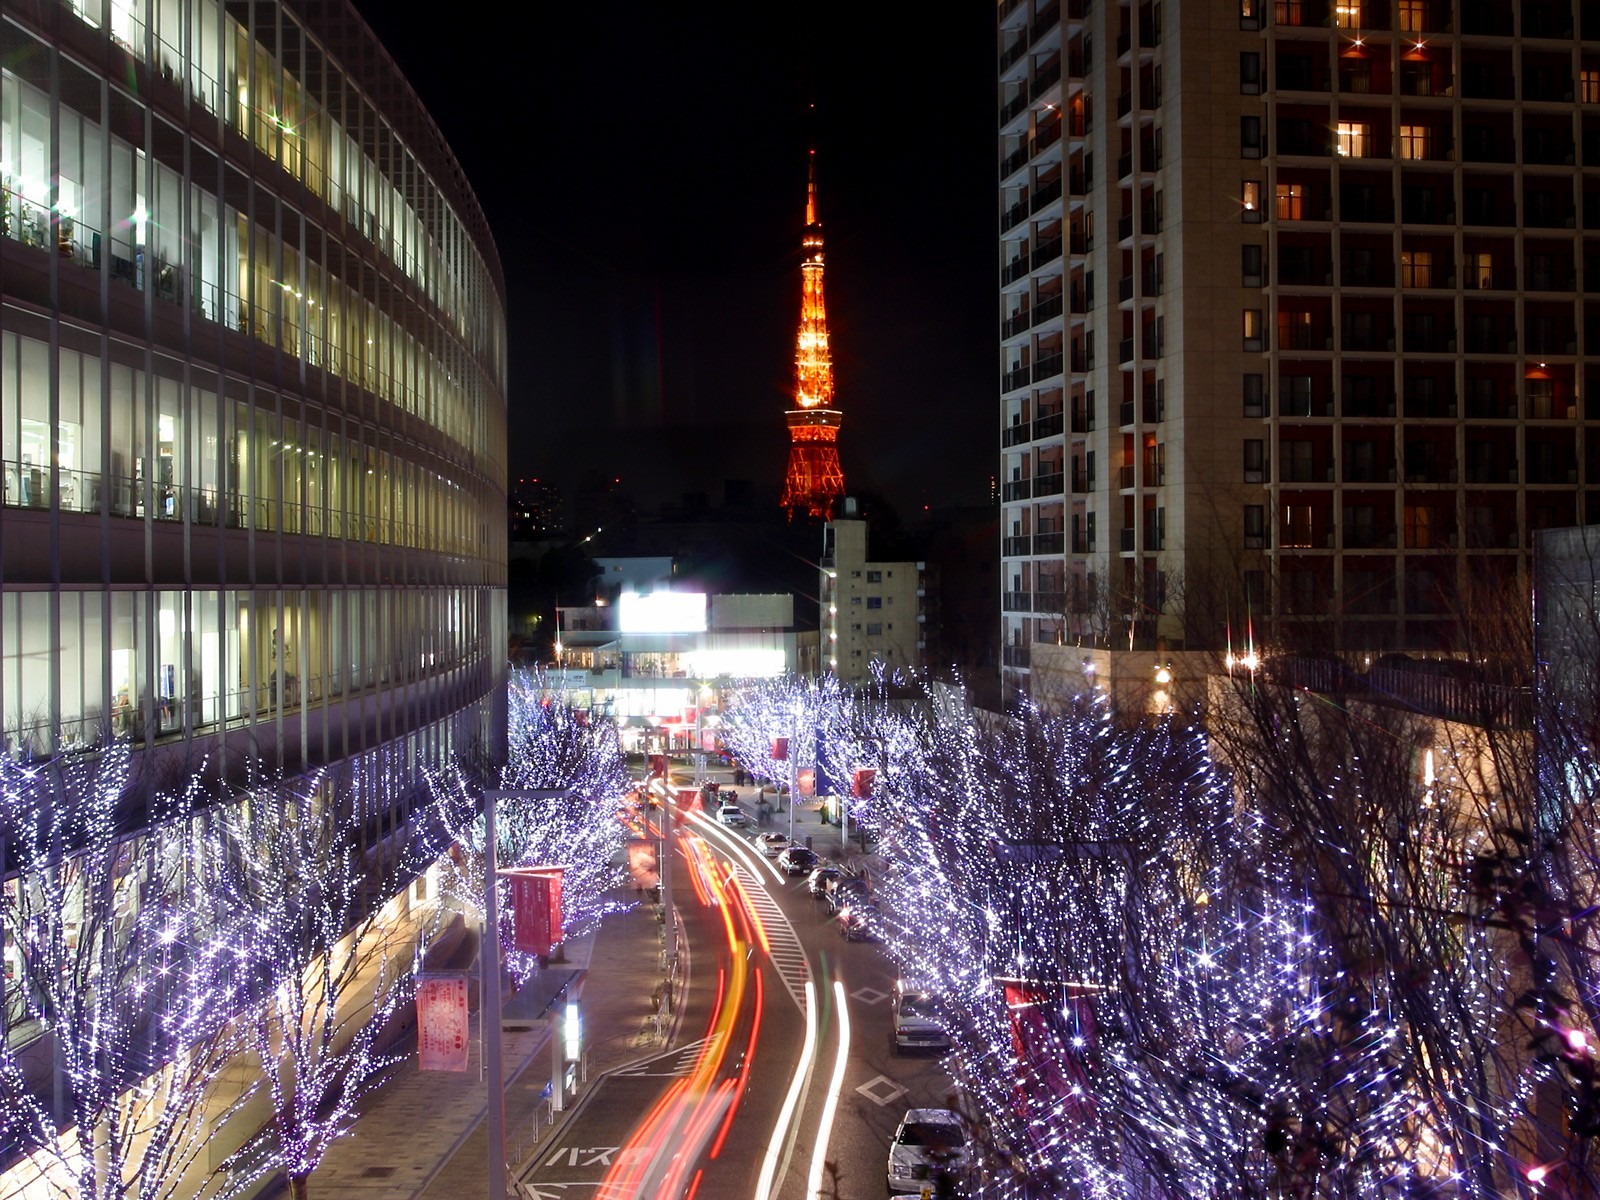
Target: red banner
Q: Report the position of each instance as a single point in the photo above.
(780, 749)
(1052, 1032)
(689, 800)
(806, 777)
(442, 1022)
(536, 908)
(861, 782)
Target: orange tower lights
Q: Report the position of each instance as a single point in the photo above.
(814, 479)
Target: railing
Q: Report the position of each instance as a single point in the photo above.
(1047, 308)
(1015, 656)
(1048, 425)
(1046, 367)
(1048, 543)
(1014, 547)
(1048, 485)
(1047, 252)
(1018, 489)
(1014, 379)
(1017, 602)
(1125, 475)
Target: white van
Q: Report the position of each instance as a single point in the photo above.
(915, 1027)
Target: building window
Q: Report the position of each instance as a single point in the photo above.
(1297, 526)
(1255, 526)
(1413, 15)
(1249, 14)
(874, 576)
(1589, 86)
(1255, 395)
(1255, 460)
(1481, 270)
(1416, 268)
(874, 628)
(1416, 141)
(1291, 199)
(1250, 72)
(1253, 327)
(1251, 200)
(1352, 138)
(1250, 137)
(1418, 527)
(1250, 266)
(1347, 14)
(1288, 12)
(874, 601)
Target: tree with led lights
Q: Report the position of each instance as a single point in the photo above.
(551, 746)
(342, 957)
(132, 964)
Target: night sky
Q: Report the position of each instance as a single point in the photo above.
(643, 167)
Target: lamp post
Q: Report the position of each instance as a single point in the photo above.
(496, 1115)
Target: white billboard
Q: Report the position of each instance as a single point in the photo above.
(662, 612)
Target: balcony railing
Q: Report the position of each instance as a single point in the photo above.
(1048, 425)
(1014, 547)
(1017, 601)
(1048, 543)
(1048, 485)
(1018, 489)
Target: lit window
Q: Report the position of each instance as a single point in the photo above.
(1412, 15)
(1251, 200)
(1589, 86)
(1353, 139)
(1416, 141)
(1416, 268)
(1347, 14)
(1252, 329)
(1291, 202)
(1288, 12)
(1482, 269)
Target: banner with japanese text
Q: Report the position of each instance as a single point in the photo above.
(442, 1022)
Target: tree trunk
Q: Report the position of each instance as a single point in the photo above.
(299, 1187)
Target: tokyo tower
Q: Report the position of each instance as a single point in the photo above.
(814, 479)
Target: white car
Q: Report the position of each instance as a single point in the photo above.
(731, 814)
(926, 1142)
(772, 844)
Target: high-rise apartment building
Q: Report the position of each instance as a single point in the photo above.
(252, 396)
(1296, 299)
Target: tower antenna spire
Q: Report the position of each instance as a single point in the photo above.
(814, 479)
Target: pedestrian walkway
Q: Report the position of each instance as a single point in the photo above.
(422, 1135)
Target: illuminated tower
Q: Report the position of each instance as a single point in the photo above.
(814, 479)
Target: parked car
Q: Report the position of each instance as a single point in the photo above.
(846, 890)
(914, 1025)
(772, 844)
(926, 1143)
(817, 883)
(797, 860)
(731, 814)
(859, 922)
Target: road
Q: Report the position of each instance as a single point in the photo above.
(752, 1099)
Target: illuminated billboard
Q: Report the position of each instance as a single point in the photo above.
(662, 612)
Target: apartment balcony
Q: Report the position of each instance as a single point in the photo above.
(1048, 485)
(1014, 270)
(1046, 194)
(1050, 602)
(1082, 483)
(1016, 435)
(1017, 489)
(1016, 547)
(1013, 106)
(1014, 216)
(1125, 476)
(1049, 543)
(1014, 162)
(1015, 656)
(1014, 379)
(1017, 601)
(1046, 78)
(1047, 367)
(1048, 425)
(1013, 52)
(1018, 322)
(1046, 252)
(1125, 540)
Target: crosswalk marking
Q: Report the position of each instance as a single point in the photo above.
(788, 957)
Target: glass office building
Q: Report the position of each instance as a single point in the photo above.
(252, 393)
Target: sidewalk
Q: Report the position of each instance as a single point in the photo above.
(422, 1134)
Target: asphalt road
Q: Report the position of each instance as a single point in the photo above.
(662, 1129)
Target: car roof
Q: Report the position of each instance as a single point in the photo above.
(932, 1116)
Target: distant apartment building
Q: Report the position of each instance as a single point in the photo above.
(870, 611)
(1299, 319)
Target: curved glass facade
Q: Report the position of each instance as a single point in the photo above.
(252, 390)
